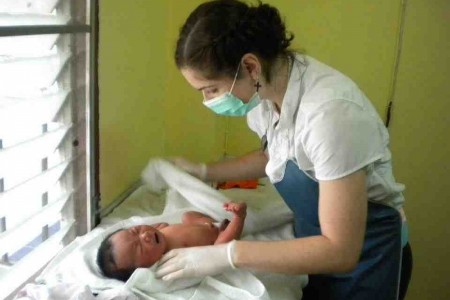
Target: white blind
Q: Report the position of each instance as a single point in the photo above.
(28, 6)
(43, 98)
(31, 12)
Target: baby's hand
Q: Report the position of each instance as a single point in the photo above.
(159, 225)
(238, 209)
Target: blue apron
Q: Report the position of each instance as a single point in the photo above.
(377, 273)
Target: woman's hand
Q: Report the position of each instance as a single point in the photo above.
(197, 170)
(196, 262)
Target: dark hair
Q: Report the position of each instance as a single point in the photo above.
(218, 33)
(107, 263)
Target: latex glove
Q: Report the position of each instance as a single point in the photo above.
(197, 170)
(196, 261)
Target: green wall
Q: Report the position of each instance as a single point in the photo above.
(421, 145)
(147, 108)
(132, 83)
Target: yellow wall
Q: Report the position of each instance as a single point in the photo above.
(147, 109)
(132, 84)
(421, 145)
(191, 129)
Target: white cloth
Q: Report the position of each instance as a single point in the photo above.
(76, 265)
(329, 128)
(70, 291)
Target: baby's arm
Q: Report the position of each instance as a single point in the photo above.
(234, 229)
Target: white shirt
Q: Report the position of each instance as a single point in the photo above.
(329, 128)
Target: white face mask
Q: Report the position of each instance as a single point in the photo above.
(229, 105)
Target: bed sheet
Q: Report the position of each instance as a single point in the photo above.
(267, 219)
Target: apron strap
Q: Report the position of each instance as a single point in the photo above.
(380, 260)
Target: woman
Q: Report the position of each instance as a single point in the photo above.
(324, 148)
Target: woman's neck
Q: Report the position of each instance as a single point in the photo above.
(276, 89)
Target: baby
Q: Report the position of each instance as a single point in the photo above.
(141, 246)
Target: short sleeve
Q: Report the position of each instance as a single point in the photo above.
(340, 137)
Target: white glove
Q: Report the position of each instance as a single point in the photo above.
(196, 261)
(197, 170)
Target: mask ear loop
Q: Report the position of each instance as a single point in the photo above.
(232, 86)
(257, 84)
(235, 77)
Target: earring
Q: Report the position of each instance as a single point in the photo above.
(257, 85)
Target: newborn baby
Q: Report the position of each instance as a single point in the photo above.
(141, 246)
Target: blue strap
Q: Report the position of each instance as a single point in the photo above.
(405, 233)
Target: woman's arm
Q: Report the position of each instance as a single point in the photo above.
(342, 215)
(249, 166)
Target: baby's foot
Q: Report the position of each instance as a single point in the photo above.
(238, 209)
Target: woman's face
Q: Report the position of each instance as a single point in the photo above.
(138, 246)
(243, 88)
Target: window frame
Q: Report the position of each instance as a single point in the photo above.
(87, 216)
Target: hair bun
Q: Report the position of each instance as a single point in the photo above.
(268, 21)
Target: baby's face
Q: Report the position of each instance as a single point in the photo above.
(138, 247)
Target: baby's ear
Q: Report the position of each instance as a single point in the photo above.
(160, 225)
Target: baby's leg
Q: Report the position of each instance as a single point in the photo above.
(195, 217)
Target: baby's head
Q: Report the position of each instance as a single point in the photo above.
(125, 250)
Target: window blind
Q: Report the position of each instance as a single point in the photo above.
(44, 123)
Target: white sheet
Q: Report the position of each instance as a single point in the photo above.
(76, 263)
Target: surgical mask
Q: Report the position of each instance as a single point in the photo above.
(229, 105)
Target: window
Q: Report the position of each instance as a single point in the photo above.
(48, 184)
